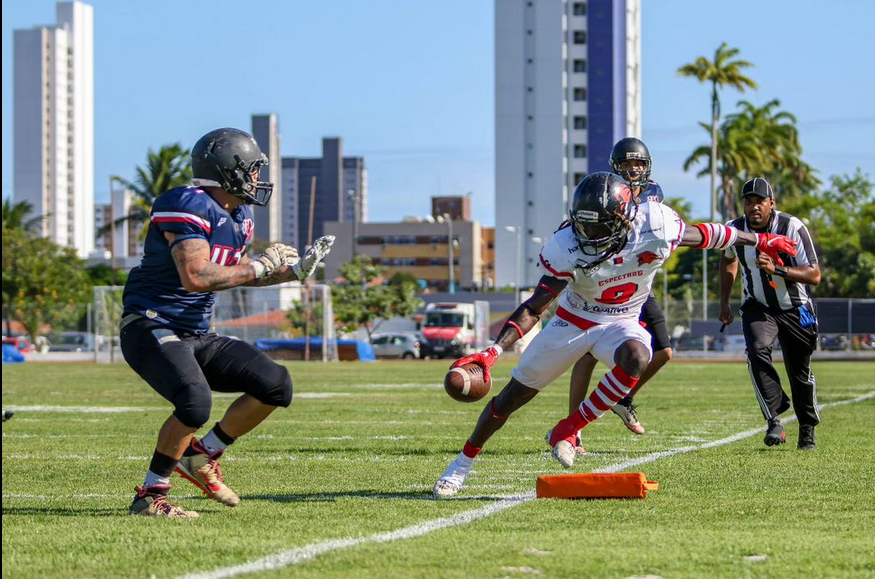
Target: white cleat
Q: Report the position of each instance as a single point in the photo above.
(564, 451)
(452, 480)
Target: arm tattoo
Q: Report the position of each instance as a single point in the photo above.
(199, 274)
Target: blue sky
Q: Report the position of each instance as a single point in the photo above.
(409, 85)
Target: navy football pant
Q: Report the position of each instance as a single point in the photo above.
(184, 367)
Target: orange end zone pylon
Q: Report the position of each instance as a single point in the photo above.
(611, 485)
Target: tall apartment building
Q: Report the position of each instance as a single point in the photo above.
(269, 220)
(341, 192)
(125, 247)
(54, 124)
(567, 86)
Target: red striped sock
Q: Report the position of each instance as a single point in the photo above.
(615, 385)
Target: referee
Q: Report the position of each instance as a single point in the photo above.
(776, 305)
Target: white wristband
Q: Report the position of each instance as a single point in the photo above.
(259, 269)
(498, 350)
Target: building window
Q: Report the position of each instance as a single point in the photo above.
(580, 123)
(531, 118)
(579, 151)
(579, 8)
(578, 177)
(580, 94)
(531, 174)
(579, 65)
(580, 37)
(529, 32)
(530, 89)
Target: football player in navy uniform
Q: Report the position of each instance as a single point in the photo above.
(597, 313)
(196, 246)
(630, 158)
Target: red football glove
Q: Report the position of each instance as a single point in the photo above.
(485, 359)
(772, 243)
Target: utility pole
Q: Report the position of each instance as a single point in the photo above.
(353, 197)
(451, 253)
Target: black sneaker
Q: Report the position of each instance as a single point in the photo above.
(806, 437)
(775, 434)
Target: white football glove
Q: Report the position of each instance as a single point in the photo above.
(273, 258)
(305, 267)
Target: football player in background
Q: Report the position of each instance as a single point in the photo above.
(607, 253)
(195, 246)
(631, 160)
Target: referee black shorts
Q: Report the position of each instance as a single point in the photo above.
(184, 367)
(654, 322)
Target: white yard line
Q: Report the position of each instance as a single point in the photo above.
(86, 409)
(308, 552)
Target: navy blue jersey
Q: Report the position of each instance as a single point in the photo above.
(154, 288)
(652, 192)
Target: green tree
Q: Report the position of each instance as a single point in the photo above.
(720, 72)
(105, 275)
(16, 216)
(43, 283)
(362, 302)
(841, 220)
(168, 168)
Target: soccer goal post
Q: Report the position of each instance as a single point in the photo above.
(286, 311)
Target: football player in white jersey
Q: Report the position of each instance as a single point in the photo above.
(607, 255)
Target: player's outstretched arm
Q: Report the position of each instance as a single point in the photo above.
(717, 236)
(518, 324)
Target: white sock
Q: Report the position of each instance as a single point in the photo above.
(465, 461)
(153, 479)
(212, 442)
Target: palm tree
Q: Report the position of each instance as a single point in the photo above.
(168, 168)
(15, 216)
(720, 72)
(757, 141)
(738, 150)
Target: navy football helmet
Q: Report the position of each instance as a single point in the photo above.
(230, 159)
(631, 149)
(601, 215)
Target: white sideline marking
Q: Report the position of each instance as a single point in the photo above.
(86, 409)
(307, 552)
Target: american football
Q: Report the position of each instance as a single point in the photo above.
(466, 384)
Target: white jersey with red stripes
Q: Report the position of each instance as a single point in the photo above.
(617, 288)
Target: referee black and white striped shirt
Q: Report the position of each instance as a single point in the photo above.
(775, 292)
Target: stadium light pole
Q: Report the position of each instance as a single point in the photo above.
(519, 250)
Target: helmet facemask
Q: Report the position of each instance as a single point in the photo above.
(599, 236)
(634, 177)
(244, 184)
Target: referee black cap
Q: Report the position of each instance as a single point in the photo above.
(759, 187)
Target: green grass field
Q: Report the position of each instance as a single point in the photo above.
(339, 485)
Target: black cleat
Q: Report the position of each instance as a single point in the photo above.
(775, 434)
(806, 437)
(7, 414)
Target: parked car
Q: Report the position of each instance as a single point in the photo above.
(405, 346)
(21, 343)
(72, 342)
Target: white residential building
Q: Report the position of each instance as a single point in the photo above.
(54, 124)
(567, 87)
